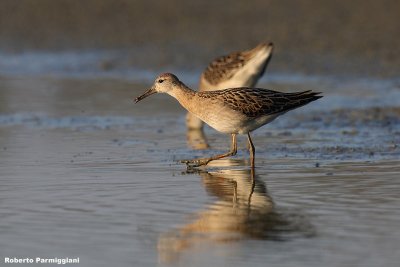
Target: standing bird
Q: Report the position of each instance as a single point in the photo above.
(238, 69)
(234, 110)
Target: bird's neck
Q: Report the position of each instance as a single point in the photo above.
(183, 94)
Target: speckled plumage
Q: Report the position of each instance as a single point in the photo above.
(235, 110)
(225, 67)
(255, 102)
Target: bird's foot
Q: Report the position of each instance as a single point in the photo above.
(193, 163)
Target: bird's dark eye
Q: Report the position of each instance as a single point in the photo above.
(160, 80)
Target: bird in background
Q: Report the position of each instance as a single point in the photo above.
(238, 69)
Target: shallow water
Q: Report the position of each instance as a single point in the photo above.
(86, 173)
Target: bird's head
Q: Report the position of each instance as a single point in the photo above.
(162, 84)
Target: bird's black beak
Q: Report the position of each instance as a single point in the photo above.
(149, 92)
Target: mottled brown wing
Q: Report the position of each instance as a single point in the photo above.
(223, 68)
(255, 102)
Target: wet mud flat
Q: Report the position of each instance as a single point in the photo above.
(86, 173)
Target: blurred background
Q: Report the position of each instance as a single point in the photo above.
(361, 36)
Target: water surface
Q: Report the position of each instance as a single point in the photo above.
(86, 173)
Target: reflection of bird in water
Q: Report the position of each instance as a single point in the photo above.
(243, 210)
(238, 69)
